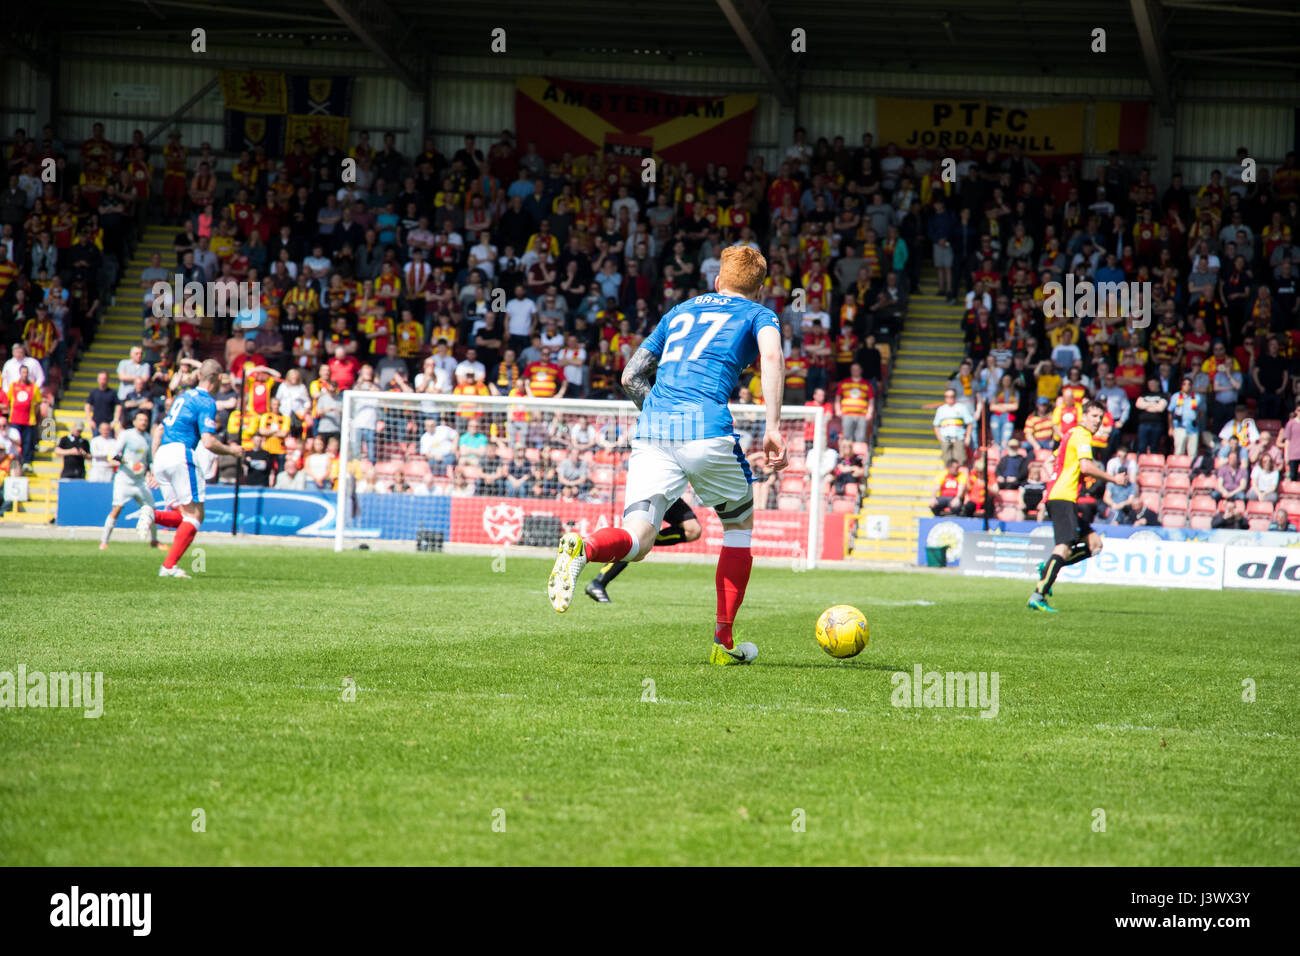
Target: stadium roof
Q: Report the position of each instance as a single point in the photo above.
(1160, 39)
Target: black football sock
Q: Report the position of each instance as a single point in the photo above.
(609, 572)
(1080, 552)
(1050, 571)
(671, 535)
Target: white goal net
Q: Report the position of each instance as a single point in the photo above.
(506, 471)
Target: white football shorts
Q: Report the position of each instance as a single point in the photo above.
(180, 480)
(127, 488)
(657, 475)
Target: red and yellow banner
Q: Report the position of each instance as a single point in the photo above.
(953, 123)
(566, 116)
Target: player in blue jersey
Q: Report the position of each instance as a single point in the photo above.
(685, 434)
(189, 428)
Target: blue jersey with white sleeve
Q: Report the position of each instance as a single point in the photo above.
(703, 345)
(193, 413)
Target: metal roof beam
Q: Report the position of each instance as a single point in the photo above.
(1146, 18)
(376, 25)
(756, 32)
(1230, 8)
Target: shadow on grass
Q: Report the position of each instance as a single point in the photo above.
(824, 665)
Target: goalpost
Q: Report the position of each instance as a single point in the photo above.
(511, 471)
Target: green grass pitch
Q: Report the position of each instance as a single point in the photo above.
(477, 705)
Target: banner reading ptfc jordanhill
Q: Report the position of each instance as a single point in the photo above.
(564, 116)
(1049, 131)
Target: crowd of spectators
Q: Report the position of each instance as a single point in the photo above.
(1214, 371)
(503, 271)
(487, 272)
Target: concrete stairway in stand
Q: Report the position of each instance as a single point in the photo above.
(905, 465)
(120, 328)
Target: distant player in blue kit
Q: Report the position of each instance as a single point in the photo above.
(181, 453)
(685, 434)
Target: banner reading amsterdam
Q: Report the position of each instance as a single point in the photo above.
(565, 116)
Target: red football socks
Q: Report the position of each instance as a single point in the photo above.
(608, 544)
(184, 535)
(168, 519)
(734, 565)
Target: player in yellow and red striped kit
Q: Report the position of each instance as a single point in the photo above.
(1075, 539)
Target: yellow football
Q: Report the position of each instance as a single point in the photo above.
(842, 631)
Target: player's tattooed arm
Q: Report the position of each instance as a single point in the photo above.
(639, 375)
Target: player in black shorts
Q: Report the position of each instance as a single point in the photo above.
(680, 526)
(1071, 502)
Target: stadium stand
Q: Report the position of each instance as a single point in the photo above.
(386, 284)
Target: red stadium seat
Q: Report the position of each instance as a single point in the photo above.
(1152, 462)
(1010, 513)
(861, 448)
(1223, 505)
(842, 506)
(472, 472)
(601, 476)
(1151, 499)
(792, 485)
(604, 457)
(851, 490)
(1011, 498)
(1258, 524)
(789, 503)
(1203, 504)
(1177, 482)
(1264, 508)
(796, 444)
(533, 454)
(1271, 425)
(417, 470)
(1173, 519)
(1204, 483)
(1201, 522)
(558, 455)
(798, 465)
(388, 468)
(1178, 465)
(1289, 489)
(1173, 503)
(1151, 481)
(1042, 455)
(1290, 505)
(505, 452)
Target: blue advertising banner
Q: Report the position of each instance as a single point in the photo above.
(951, 532)
(266, 511)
